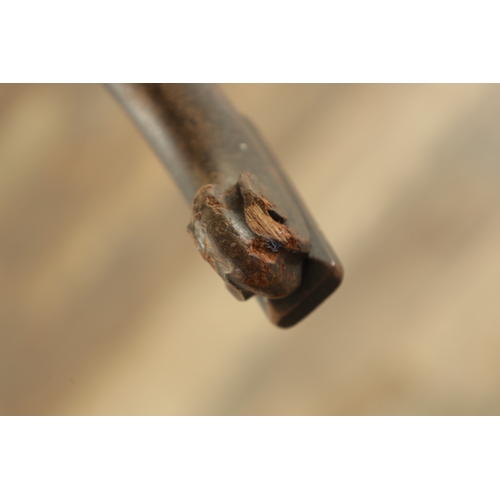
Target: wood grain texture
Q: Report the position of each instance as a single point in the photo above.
(107, 308)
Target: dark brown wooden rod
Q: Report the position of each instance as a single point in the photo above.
(247, 220)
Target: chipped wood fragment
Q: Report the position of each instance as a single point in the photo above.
(244, 236)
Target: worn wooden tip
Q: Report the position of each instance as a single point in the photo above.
(241, 233)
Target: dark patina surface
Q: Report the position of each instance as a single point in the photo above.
(247, 220)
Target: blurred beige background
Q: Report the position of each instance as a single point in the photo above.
(107, 308)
